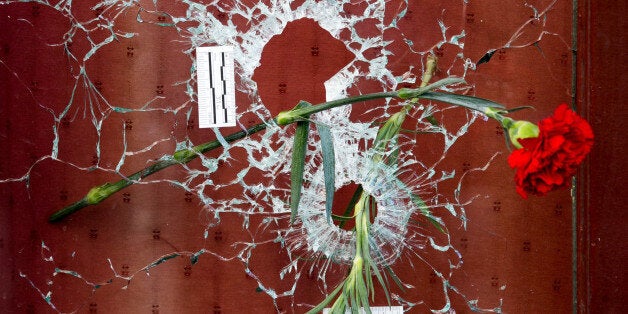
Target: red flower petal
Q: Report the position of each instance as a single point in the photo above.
(547, 162)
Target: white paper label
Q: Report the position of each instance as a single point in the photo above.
(376, 310)
(216, 86)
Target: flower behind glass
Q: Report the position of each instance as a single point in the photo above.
(547, 162)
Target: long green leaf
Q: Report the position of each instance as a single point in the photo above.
(391, 273)
(511, 110)
(369, 279)
(341, 218)
(393, 156)
(379, 277)
(389, 130)
(413, 93)
(298, 162)
(329, 167)
(470, 102)
(426, 212)
(328, 299)
(443, 82)
(354, 200)
(396, 279)
(362, 296)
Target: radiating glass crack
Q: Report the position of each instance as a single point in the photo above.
(312, 246)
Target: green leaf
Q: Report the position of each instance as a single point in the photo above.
(511, 110)
(328, 299)
(354, 200)
(372, 216)
(470, 102)
(407, 93)
(379, 277)
(426, 212)
(389, 130)
(329, 167)
(369, 278)
(433, 121)
(393, 156)
(341, 218)
(362, 293)
(352, 298)
(396, 279)
(298, 162)
(444, 82)
(391, 273)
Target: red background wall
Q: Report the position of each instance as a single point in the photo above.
(601, 201)
(526, 246)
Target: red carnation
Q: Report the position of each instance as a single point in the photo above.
(547, 162)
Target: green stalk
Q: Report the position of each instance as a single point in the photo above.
(288, 117)
(99, 193)
(358, 284)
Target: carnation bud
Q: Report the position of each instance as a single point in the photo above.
(98, 193)
(521, 129)
(391, 127)
(286, 117)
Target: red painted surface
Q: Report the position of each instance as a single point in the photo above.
(524, 246)
(601, 198)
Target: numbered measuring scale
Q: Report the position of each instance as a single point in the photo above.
(216, 86)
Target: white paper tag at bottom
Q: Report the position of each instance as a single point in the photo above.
(375, 310)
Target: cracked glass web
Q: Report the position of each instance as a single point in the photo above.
(312, 246)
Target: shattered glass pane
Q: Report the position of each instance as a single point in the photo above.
(94, 91)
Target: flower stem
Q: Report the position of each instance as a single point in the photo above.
(358, 283)
(99, 193)
(288, 117)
